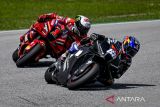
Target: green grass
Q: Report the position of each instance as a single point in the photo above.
(20, 14)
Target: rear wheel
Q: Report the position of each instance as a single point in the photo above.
(15, 55)
(30, 56)
(76, 80)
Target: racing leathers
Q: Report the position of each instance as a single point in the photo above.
(62, 31)
(117, 61)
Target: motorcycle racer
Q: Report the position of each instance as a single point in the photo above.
(64, 30)
(118, 56)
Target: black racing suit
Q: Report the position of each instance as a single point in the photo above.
(117, 63)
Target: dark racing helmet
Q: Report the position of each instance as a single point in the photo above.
(83, 24)
(130, 46)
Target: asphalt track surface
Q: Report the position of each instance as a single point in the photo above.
(26, 87)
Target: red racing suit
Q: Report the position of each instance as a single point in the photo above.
(62, 31)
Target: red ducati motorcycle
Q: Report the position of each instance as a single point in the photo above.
(31, 51)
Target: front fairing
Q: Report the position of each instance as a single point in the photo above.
(72, 62)
(78, 56)
(78, 61)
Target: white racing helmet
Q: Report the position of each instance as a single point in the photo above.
(83, 24)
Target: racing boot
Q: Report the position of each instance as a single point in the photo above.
(106, 78)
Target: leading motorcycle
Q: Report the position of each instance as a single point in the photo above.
(79, 68)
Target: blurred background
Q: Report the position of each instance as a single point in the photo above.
(20, 14)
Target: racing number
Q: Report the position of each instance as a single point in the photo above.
(112, 53)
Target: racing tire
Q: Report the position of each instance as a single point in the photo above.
(15, 55)
(49, 75)
(21, 62)
(90, 74)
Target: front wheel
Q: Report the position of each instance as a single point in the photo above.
(48, 76)
(76, 80)
(15, 55)
(30, 56)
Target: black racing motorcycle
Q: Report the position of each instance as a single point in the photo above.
(85, 65)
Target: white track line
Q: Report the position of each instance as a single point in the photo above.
(101, 24)
(130, 22)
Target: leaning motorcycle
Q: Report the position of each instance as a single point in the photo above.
(32, 51)
(79, 68)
